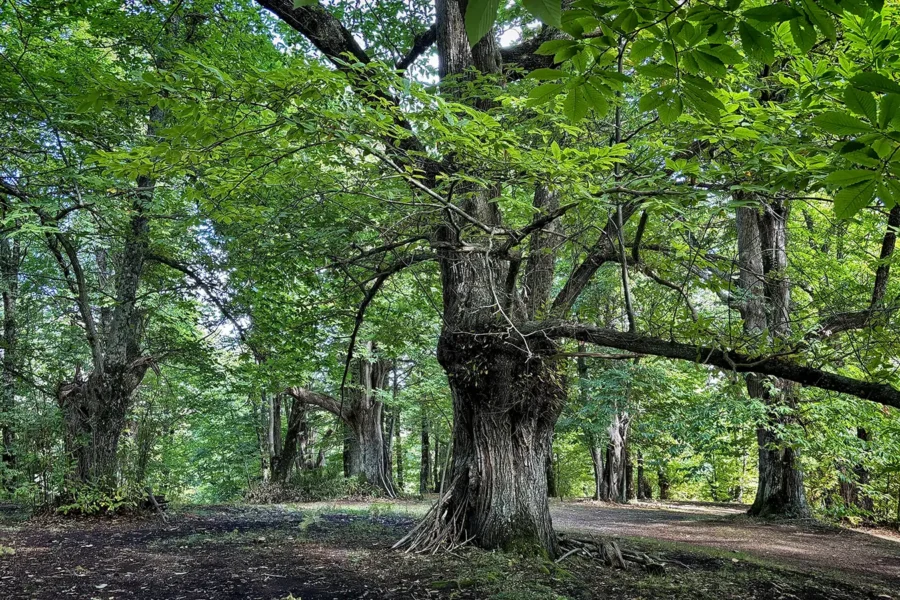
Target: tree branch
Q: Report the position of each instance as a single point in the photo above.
(323, 30)
(859, 319)
(421, 44)
(321, 400)
(724, 359)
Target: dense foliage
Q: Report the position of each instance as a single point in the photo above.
(238, 221)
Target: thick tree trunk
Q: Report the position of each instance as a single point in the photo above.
(505, 408)
(762, 257)
(780, 491)
(366, 426)
(294, 444)
(94, 414)
(615, 487)
(352, 453)
(662, 479)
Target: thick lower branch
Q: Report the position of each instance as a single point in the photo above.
(724, 359)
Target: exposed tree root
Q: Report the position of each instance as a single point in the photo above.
(610, 554)
(438, 530)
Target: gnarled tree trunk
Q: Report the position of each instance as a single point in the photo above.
(361, 418)
(505, 408)
(94, 411)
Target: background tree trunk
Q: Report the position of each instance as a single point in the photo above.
(662, 479)
(9, 279)
(552, 490)
(425, 483)
(398, 448)
(597, 462)
(616, 485)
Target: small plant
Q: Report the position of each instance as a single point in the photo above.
(92, 500)
(6, 550)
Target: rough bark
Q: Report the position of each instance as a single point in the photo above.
(294, 442)
(662, 480)
(552, 488)
(615, 486)
(644, 491)
(9, 279)
(630, 490)
(94, 413)
(505, 409)
(765, 310)
(361, 418)
(352, 452)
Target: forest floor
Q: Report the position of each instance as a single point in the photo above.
(865, 554)
(337, 552)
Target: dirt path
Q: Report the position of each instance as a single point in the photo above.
(807, 547)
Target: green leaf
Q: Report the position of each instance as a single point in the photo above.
(650, 100)
(756, 43)
(670, 110)
(553, 46)
(596, 99)
(804, 34)
(709, 64)
(704, 102)
(774, 13)
(480, 17)
(860, 102)
(301, 3)
(723, 52)
(643, 49)
(886, 195)
(548, 11)
(544, 93)
(547, 74)
(849, 177)
(851, 200)
(840, 123)
(875, 82)
(894, 188)
(575, 106)
(890, 111)
(820, 19)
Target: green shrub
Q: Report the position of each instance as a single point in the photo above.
(93, 500)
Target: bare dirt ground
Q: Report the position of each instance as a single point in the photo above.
(809, 546)
(343, 551)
